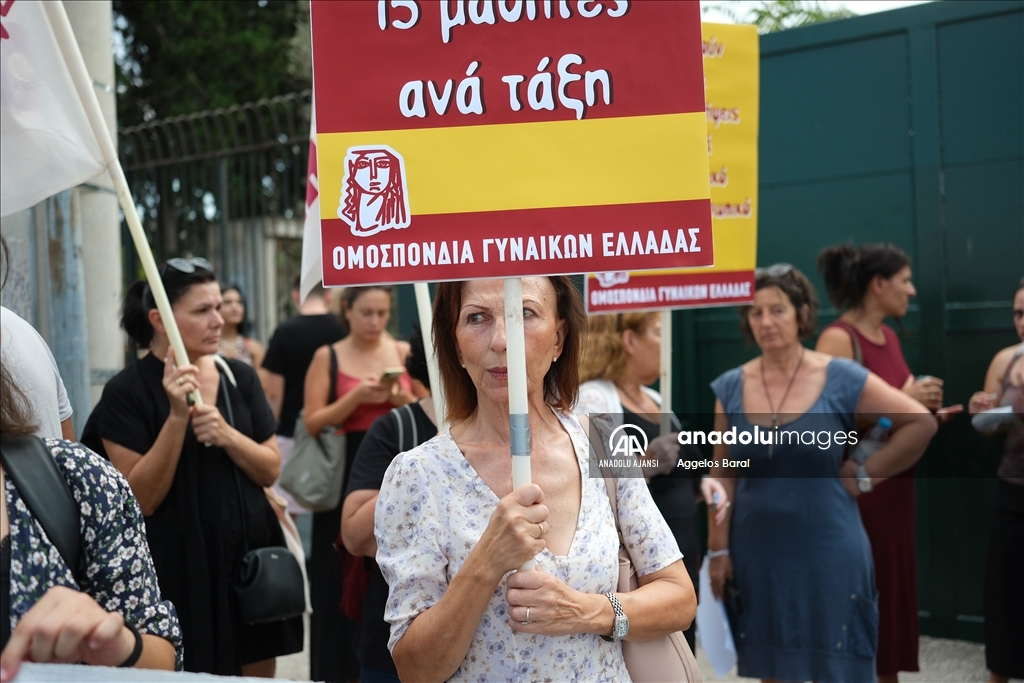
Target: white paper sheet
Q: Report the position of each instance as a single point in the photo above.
(79, 673)
(713, 626)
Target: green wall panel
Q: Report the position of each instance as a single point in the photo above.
(902, 126)
(981, 67)
(821, 118)
(984, 221)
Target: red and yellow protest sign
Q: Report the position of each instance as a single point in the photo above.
(731, 73)
(503, 138)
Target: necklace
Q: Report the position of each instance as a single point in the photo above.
(764, 383)
(631, 397)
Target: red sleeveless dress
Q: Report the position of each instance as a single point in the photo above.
(889, 517)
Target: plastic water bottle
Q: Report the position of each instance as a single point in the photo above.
(875, 439)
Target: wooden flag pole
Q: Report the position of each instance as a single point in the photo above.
(83, 85)
(666, 372)
(427, 331)
(518, 403)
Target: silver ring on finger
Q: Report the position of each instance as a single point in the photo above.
(179, 381)
(527, 616)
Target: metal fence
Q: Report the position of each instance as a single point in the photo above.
(229, 185)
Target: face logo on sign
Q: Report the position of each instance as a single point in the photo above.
(373, 191)
(612, 278)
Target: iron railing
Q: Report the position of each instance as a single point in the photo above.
(228, 184)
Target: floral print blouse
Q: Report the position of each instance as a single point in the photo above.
(433, 509)
(119, 572)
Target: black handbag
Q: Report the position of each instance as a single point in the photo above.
(269, 585)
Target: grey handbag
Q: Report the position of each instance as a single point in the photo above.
(314, 474)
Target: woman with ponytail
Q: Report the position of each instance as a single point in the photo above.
(194, 472)
(870, 284)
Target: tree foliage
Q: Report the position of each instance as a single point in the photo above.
(182, 56)
(777, 15)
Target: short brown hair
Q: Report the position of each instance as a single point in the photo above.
(797, 288)
(561, 384)
(605, 355)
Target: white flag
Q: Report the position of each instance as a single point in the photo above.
(47, 141)
(312, 266)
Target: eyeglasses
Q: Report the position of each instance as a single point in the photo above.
(186, 265)
(775, 271)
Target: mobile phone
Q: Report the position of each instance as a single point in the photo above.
(391, 375)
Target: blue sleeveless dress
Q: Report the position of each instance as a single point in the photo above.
(801, 557)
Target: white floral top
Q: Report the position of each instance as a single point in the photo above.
(433, 509)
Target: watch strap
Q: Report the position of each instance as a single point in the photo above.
(619, 614)
(133, 658)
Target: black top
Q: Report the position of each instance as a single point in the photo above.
(673, 492)
(379, 448)
(195, 533)
(289, 354)
(5, 590)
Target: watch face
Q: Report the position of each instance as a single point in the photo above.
(621, 627)
(864, 485)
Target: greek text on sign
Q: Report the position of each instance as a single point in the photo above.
(731, 63)
(503, 138)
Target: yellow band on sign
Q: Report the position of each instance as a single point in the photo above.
(523, 166)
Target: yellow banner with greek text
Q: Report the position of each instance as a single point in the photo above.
(731, 92)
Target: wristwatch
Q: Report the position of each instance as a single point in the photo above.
(863, 480)
(621, 626)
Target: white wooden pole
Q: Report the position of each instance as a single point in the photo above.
(83, 85)
(518, 404)
(423, 305)
(666, 372)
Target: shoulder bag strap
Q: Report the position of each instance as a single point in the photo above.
(229, 416)
(34, 472)
(401, 429)
(415, 441)
(225, 369)
(610, 482)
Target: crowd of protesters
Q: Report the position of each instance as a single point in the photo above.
(413, 575)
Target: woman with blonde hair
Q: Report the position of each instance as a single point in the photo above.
(623, 356)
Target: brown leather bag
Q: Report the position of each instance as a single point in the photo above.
(662, 660)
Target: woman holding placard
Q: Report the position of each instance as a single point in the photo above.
(450, 528)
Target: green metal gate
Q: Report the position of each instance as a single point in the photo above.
(908, 127)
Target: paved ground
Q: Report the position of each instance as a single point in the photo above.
(942, 661)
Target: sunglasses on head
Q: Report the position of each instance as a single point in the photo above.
(186, 265)
(776, 271)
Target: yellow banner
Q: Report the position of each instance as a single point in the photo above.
(465, 169)
(732, 93)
